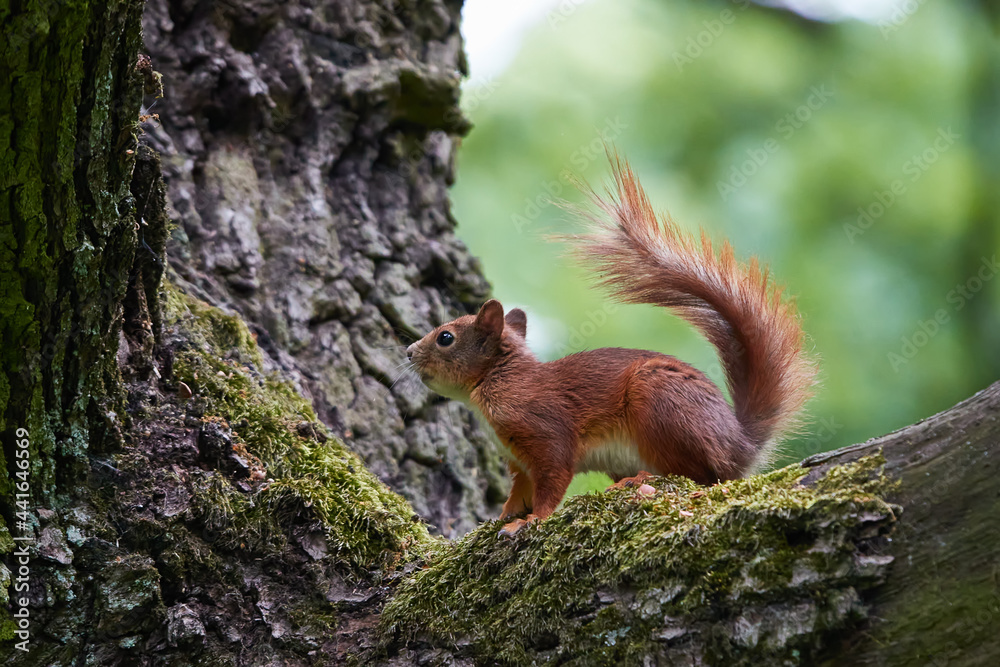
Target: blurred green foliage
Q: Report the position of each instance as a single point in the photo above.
(861, 161)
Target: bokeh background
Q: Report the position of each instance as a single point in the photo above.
(855, 147)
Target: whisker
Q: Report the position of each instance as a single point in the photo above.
(398, 370)
(407, 373)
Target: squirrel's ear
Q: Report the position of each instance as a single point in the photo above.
(490, 318)
(518, 321)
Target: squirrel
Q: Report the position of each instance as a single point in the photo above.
(624, 412)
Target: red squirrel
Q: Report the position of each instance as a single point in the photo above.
(625, 412)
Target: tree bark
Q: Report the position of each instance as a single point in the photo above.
(307, 149)
(69, 104)
(941, 603)
(178, 516)
(68, 110)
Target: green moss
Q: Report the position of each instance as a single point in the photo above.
(6, 541)
(592, 582)
(314, 617)
(366, 525)
(67, 106)
(5, 579)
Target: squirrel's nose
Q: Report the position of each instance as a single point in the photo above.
(409, 351)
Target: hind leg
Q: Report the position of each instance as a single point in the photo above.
(681, 424)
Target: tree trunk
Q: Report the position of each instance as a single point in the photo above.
(68, 111)
(69, 101)
(202, 510)
(308, 148)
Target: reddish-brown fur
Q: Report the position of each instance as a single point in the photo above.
(549, 415)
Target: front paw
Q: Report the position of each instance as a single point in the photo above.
(513, 510)
(514, 527)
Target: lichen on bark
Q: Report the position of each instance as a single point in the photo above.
(68, 117)
(750, 570)
(68, 113)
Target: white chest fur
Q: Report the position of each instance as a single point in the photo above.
(615, 457)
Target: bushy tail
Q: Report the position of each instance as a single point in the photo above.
(642, 258)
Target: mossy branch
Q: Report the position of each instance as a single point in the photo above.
(614, 577)
(839, 560)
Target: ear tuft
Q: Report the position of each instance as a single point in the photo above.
(517, 320)
(490, 318)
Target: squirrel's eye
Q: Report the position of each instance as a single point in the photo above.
(445, 338)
